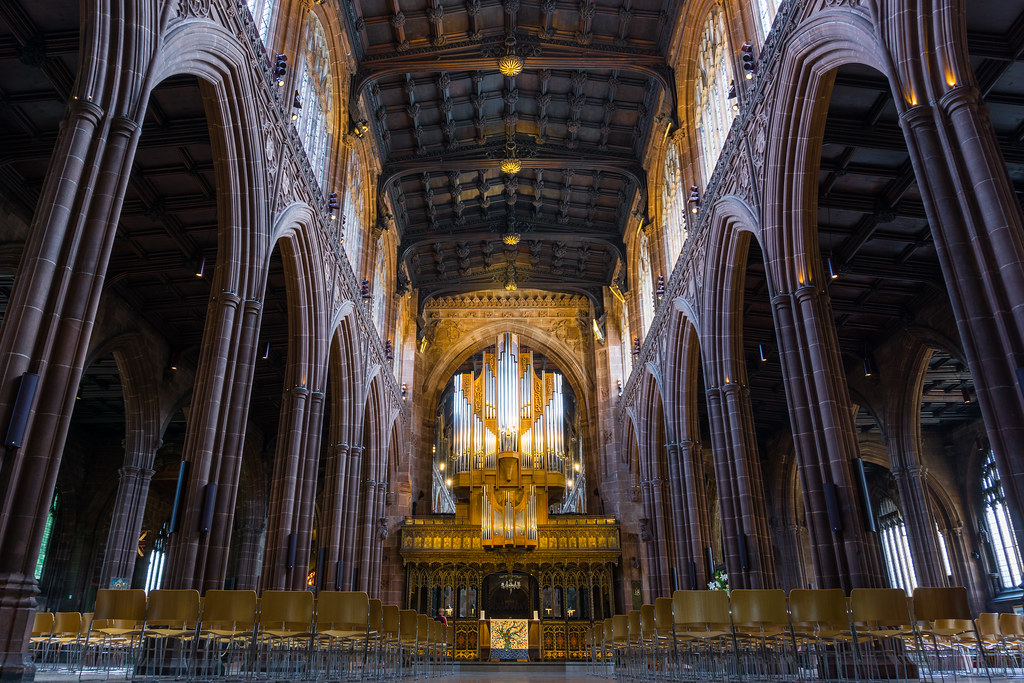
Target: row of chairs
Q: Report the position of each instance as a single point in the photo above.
(284, 635)
(811, 635)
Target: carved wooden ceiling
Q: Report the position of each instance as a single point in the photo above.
(579, 116)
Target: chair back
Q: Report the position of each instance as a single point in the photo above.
(375, 615)
(423, 631)
(390, 620)
(287, 610)
(42, 624)
(86, 624)
(932, 603)
(609, 633)
(822, 608)
(759, 609)
(663, 615)
(229, 610)
(1011, 625)
(987, 624)
(647, 628)
(119, 608)
(633, 625)
(408, 621)
(620, 628)
(173, 608)
(706, 610)
(67, 624)
(342, 611)
(879, 607)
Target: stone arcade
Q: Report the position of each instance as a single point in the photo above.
(765, 261)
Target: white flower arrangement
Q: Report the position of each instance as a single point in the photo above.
(719, 582)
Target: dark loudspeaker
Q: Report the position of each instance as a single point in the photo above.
(675, 579)
(179, 496)
(711, 561)
(741, 545)
(1020, 380)
(337, 577)
(293, 540)
(209, 503)
(865, 496)
(22, 408)
(693, 575)
(835, 520)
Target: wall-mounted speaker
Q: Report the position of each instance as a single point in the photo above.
(865, 495)
(675, 579)
(710, 557)
(21, 410)
(209, 504)
(693, 575)
(835, 520)
(179, 496)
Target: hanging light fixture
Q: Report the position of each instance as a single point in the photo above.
(511, 238)
(511, 163)
(510, 64)
(832, 274)
(764, 358)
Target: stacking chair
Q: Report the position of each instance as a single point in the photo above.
(608, 645)
(449, 641)
(423, 636)
(881, 629)
(946, 636)
(116, 631)
(633, 643)
(648, 639)
(284, 636)
(375, 634)
(437, 646)
(408, 626)
(761, 634)
(662, 645)
(343, 631)
(390, 640)
(224, 640)
(42, 634)
(991, 641)
(66, 641)
(701, 634)
(172, 617)
(1011, 631)
(821, 633)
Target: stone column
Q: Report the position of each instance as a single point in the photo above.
(824, 438)
(331, 530)
(285, 499)
(923, 535)
(46, 331)
(126, 525)
(663, 540)
(689, 513)
(250, 555)
(740, 488)
(213, 442)
(978, 230)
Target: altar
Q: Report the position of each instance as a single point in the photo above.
(509, 639)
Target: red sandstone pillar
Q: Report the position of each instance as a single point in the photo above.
(922, 534)
(824, 438)
(740, 488)
(126, 525)
(978, 230)
(689, 513)
(46, 330)
(213, 443)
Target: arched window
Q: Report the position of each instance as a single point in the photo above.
(646, 293)
(380, 287)
(892, 531)
(262, 14)
(714, 76)
(672, 212)
(315, 96)
(44, 547)
(352, 216)
(766, 10)
(1001, 539)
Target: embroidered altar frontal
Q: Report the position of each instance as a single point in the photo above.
(509, 639)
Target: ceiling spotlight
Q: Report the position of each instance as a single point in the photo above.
(694, 200)
(280, 69)
(296, 106)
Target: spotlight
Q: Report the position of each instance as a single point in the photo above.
(405, 391)
(869, 368)
(296, 106)
(618, 386)
(764, 358)
(694, 200)
(201, 267)
(659, 291)
(440, 466)
(749, 63)
(966, 393)
(266, 352)
(280, 69)
(364, 290)
(332, 205)
(832, 274)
